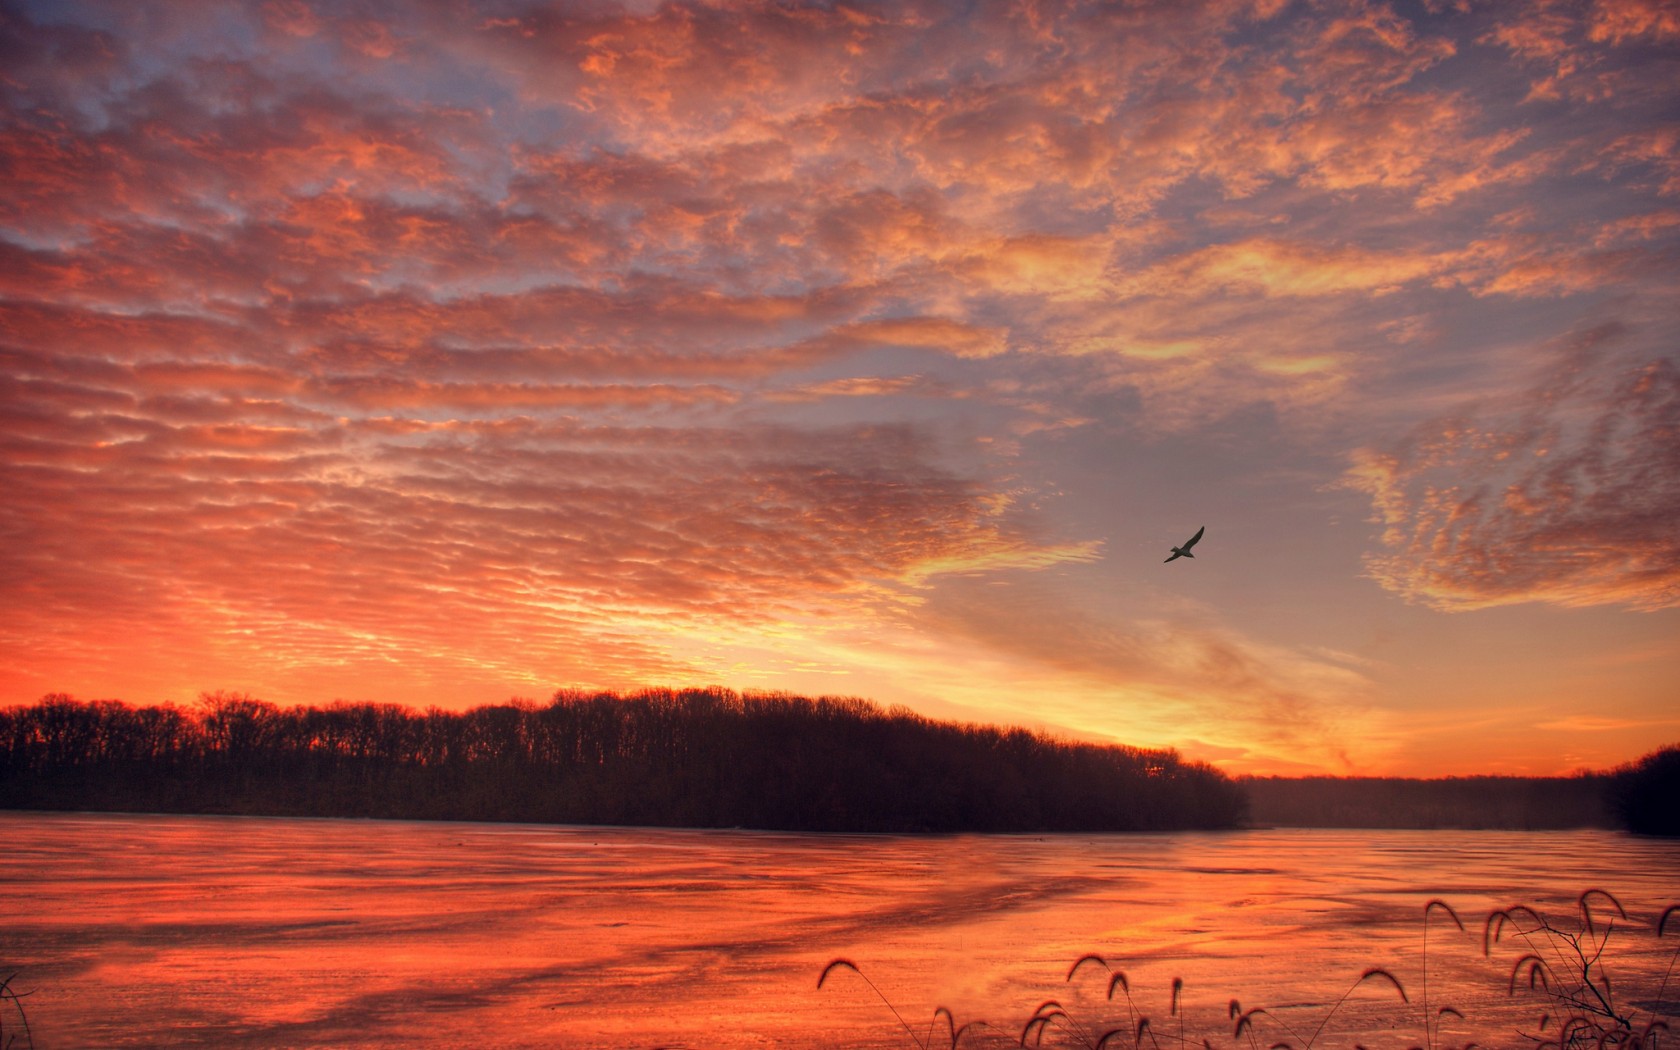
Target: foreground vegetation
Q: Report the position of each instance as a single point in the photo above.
(690, 758)
(1554, 972)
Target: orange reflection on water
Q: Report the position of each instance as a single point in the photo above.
(208, 931)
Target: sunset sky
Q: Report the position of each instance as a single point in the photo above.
(441, 353)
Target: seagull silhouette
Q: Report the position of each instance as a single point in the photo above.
(1184, 551)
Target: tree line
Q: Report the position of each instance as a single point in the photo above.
(1638, 796)
(689, 758)
(1489, 802)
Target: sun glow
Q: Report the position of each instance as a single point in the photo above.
(383, 355)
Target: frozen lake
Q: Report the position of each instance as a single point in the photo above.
(142, 931)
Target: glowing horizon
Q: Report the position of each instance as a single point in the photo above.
(441, 355)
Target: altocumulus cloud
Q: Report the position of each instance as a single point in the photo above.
(1567, 494)
(521, 338)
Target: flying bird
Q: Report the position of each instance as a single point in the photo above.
(1184, 551)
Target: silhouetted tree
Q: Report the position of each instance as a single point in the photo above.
(1519, 803)
(1644, 793)
(694, 757)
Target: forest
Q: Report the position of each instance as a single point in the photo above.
(1486, 802)
(1637, 796)
(679, 758)
(717, 758)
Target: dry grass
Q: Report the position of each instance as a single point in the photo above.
(1561, 969)
(952, 1031)
(1565, 970)
(18, 1034)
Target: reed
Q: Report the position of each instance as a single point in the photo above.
(952, 1030)
(1138, 1024)
(1431, 1032)
(1566, 970)
(1563, 968)
(19, 1035)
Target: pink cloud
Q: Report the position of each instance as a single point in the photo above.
(1565, 497)
(294, 17)
(1617, 21)
(1268, 701)
(222, 504)
(1575, 43)
(332, 340)
(1280, 268)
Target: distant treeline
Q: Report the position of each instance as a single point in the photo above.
(1518, 803)
(1638, 796)
(689, 758)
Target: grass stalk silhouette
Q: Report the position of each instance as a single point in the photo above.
(1662, 924)
(1137, 1024)
(1429, 1032)
(1375, 971)
(10, 995)
(1116, 979)
(953, 1031)
(1565, 967)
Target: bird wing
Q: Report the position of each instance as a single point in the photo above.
(1191, 542)
(1175, 554)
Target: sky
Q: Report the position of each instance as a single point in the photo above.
(444, 353)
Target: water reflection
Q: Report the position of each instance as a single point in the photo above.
(214, 931)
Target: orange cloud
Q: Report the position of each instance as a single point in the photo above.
(1616, 21)
(1570, 41)
(1154, 678)
(936, 333)
(453, 345)
(860, 386)
(1280, 268)
(1563, 500)
(295, 17)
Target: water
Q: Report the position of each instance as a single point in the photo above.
(131, 931)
